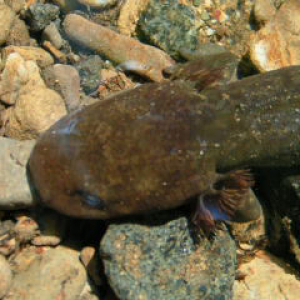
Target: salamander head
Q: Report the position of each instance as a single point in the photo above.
(60, 174)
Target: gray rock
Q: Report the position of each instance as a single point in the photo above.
(69, 83)
(40, 15)
(159, 259)
(14, 188)
(171, 26)
(90, 73)
(47, 274)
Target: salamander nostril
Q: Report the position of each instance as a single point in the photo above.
(91, 200)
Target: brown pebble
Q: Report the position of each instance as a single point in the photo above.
(112, 82)
(25, 229)
(58, 54)
(87, 254)
(145, 60)
(46, 240)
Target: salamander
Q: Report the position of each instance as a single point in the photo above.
(157, 146)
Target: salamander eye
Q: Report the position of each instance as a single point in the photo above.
(91, 200)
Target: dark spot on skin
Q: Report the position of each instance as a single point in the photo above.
(91, 200)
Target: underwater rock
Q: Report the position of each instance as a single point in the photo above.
(157, 258)
(14, 191)
(276, 45)
(47, 274)
(171, 26)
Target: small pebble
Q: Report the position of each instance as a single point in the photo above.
(113, 81)
(97, 4)
(25, 229)
(89, 70)
(69, 82)
(86, 255)
(52, 35)
(46, 241)
(90, 260)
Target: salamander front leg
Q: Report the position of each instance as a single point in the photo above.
(203, 218)
(221, 201)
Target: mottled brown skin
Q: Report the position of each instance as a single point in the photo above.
(154, 147)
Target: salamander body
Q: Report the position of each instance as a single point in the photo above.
(156, 146)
